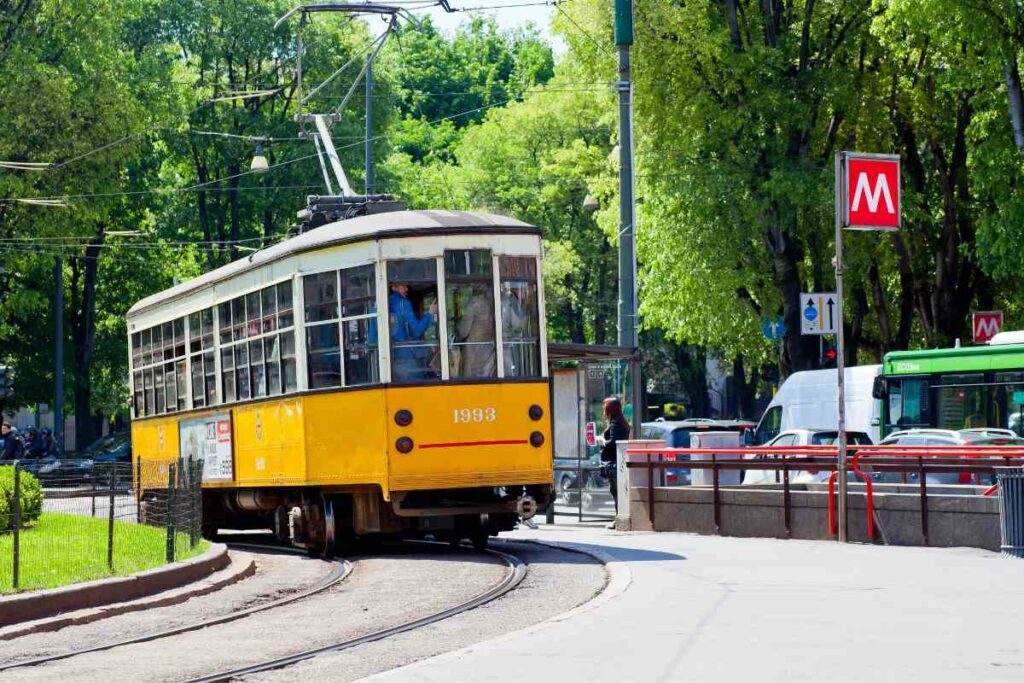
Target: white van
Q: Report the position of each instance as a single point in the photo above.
(809, 399)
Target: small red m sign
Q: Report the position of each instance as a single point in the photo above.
(986, 325)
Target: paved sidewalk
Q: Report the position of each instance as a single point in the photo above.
(703, 608)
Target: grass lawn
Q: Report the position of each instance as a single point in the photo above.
(64, 548)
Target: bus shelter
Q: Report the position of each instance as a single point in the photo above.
(582, 376)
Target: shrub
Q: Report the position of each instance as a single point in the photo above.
(31, 498)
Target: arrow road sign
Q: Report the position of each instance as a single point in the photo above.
(818, 313)
(773, 328)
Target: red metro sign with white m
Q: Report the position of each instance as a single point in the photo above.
(872, 185)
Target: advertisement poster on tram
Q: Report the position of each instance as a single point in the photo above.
(209, 439)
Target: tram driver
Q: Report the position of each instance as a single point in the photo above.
(411, 359)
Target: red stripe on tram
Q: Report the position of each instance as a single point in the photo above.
(458, 444)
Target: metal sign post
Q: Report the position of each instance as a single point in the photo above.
(873, 204)
(840, 360)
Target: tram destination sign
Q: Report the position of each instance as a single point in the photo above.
(208, 439)
(871, 191)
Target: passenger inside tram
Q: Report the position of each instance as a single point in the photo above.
(412, 318)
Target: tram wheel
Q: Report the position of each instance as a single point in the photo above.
(329, 527)
(480, 539)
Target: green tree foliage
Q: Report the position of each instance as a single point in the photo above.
(739, 109)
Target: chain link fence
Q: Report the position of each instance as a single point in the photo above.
(76, 520)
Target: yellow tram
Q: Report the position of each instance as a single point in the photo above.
(385, 374)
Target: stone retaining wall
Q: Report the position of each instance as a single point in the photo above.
(953, 520)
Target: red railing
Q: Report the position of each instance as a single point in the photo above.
(963, 460)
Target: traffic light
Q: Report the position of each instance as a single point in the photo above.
(829, 354)
(6, 381)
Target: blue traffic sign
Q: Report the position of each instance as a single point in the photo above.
(773, 329)
(811, 313)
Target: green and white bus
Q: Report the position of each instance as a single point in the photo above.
(959, 388)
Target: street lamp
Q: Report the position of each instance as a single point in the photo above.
(259, 162)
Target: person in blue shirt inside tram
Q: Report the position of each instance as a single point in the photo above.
(410, 358)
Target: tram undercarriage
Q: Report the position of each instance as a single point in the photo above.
(322, 519)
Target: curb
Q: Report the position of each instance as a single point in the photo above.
(20, 608)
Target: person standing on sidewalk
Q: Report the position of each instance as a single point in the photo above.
(616, 428)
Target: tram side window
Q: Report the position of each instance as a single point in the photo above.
(323, 359)
(412, 320)
(520, 321)
(359, 325)
(160, 373)
(200, 345)
(470, 308)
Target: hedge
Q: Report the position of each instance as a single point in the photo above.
(31, 498)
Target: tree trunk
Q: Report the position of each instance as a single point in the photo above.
(690, 362)
(83, 336)
(1011, 74)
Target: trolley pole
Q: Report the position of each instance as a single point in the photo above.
(627, 313)
(368, 184)
(840, 351)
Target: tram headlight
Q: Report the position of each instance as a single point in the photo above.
(404, 444)
(536, 412)
(403, 418)
(536, 439)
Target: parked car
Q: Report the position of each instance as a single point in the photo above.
(97, 459)
(44, 468)
(676, 434)
(981, 436)
(802, 437)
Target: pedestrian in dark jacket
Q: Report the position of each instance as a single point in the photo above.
(616, 428)
(13, 448)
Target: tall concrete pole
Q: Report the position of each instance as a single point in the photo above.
(627, 313)
(840, 349)
(58, 354)
(369, 125)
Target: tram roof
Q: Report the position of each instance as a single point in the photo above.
(388, 225)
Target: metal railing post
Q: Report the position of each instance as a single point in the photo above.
(170, 510)
(110, 517)
(650, 491)
(924, 499)
(714, 494)
(16, 541)
(195, 493)
(785, 498)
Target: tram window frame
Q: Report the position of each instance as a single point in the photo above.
(357, 334)
(201, 367)
(471, 329)
(266, 314)
(520, 269)
(420, 276)
(159, 353)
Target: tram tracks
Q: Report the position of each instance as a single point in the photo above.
(515, 572)
(514, 575)
(340, 572)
